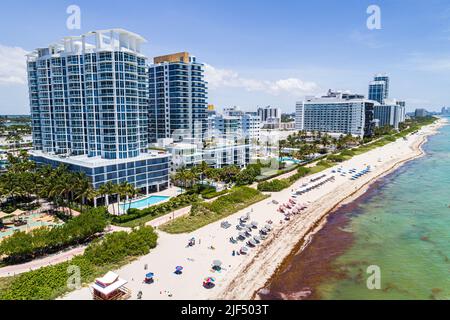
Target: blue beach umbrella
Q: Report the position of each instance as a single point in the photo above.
(178, 269)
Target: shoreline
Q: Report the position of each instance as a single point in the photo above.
(279, 258)
(306, 240)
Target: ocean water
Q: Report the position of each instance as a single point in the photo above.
(401, 225)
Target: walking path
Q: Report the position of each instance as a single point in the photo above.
(38, 263)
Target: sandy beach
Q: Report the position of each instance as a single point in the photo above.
(243, 275)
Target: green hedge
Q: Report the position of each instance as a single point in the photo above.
(215, 194)
(336, 158)
(273, 185)
(21, 245)
(101, 256)
(280, 184)
(348, 153)
(175, 203)
(205, 213)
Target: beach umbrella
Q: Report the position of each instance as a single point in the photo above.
(149, 275)
(209, 280)
(249, 229)
(244, 249)
(257, 238)
(242, 234)
(268, 227)
(217, 263)
(252, 242)
(178, 268)
(254, 224)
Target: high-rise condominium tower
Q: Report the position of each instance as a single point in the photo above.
(89, 107)
(178, 97)
(379, 88)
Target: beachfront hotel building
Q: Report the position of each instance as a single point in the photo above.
(392, 113)
(379, 88)
(177, 97)
(89, 109)
(389, 112)
(337, 112)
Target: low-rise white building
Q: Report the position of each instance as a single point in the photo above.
(225, 153)
(184, 155)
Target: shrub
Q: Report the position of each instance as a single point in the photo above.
(215, 194)
(248, 175)
(201, 189)
(323, 163)
(280, 184)
(336, 158)
(348, 153)
(273, 185)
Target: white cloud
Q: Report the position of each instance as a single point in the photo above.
(222, 78)
(13, 68)
(430, 64)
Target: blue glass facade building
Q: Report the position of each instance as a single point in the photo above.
(379, 88)
(89, 108)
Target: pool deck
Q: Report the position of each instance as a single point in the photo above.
(170, 192)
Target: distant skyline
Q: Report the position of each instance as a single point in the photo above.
(256, 53)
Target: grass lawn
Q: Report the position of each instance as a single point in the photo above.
(204, 213)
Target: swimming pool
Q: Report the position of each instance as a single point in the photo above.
(142, 203)
(291, 159)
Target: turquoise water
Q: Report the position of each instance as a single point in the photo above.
(143, 203)
(404, 228)
(401, 225)
(3, 164)
(290, 159)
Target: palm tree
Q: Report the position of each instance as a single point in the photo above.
(212, 174)
(123, 190)
(131, 193)
(203, 167)
(83, 188)
(182, 176)
(281, 145)
(108, 189)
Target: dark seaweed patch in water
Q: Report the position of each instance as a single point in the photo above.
(301, 273)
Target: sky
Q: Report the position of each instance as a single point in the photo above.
(256, 53)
